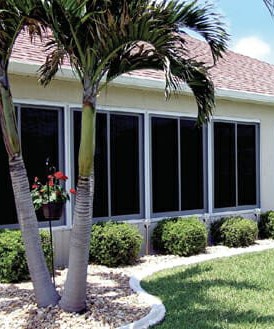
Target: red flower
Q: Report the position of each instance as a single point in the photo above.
(51, 181)
(51, 191)
(60, 175)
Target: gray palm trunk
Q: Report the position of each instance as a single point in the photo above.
(44, 289)
(74, 296)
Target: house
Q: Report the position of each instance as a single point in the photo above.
(152, 161)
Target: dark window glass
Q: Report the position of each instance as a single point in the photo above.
(246, 141)
(117, 150)
(235, 165)
(76, 136)
(100, 205)
(224, 165)
(39, 133)
(191, 165)
(165, 187)
(7, 197)
(124, 163)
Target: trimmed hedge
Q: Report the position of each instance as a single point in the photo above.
(180, 236)
(114, 243)
(238, 232)
(13, 263)
(266, 225)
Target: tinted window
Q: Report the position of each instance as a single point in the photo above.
(117, 163)
(191, 165)
(235, 173)
(7, 197)
(124, 162)
(246, 141)
(224, 165)
(40, 140)
(165, 185)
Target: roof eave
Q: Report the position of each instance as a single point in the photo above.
(142, 82)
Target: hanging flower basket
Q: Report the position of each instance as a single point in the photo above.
(53, 210)
(49, 198)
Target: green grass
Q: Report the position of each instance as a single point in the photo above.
(228, 293)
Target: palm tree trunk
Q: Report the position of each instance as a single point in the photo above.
(45, 292)
(74, 296)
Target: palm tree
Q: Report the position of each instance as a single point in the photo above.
(104, 39)
(270, 6)
(12, 22)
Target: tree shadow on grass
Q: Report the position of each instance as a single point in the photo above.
(193, 299)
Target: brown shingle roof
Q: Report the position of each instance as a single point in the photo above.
(233, 72)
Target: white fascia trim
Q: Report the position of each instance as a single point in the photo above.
(131, 81)
(228, 94)
(244, 96)
(31, 69)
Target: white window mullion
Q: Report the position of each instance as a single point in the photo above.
(179, 164)
(108, 165)
(236, 164)
(210, 168)
(147, 169)
(68, 144)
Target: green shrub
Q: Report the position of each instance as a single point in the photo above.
(46, 246)
(181, 236)
(156, 237)
(13, 264)
(266, 225)
(215, 232)
(114, 243)
(239, 232)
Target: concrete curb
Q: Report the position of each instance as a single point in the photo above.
(157, 312)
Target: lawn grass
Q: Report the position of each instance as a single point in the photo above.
(229, 293)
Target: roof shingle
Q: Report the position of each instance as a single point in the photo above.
(233, 72)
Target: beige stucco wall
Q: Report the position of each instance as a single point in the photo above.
(64, 92)
(27, 89)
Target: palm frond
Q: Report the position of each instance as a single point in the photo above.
(53, 62)
(270, 6)
(16, 15)
(117, 37)
(178, 73)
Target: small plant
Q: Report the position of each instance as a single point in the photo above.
(238, 232)
(51, 191)
(13, 264)
(114, 243)
(266, 225)
(180, 236)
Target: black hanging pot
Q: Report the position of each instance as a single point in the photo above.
(53, 210)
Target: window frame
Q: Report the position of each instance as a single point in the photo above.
(237, 207)
(19, 107)
(180, 212)
(108, 113)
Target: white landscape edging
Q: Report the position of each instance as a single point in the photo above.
(157, 312)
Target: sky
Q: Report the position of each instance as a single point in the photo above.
(250, 26)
